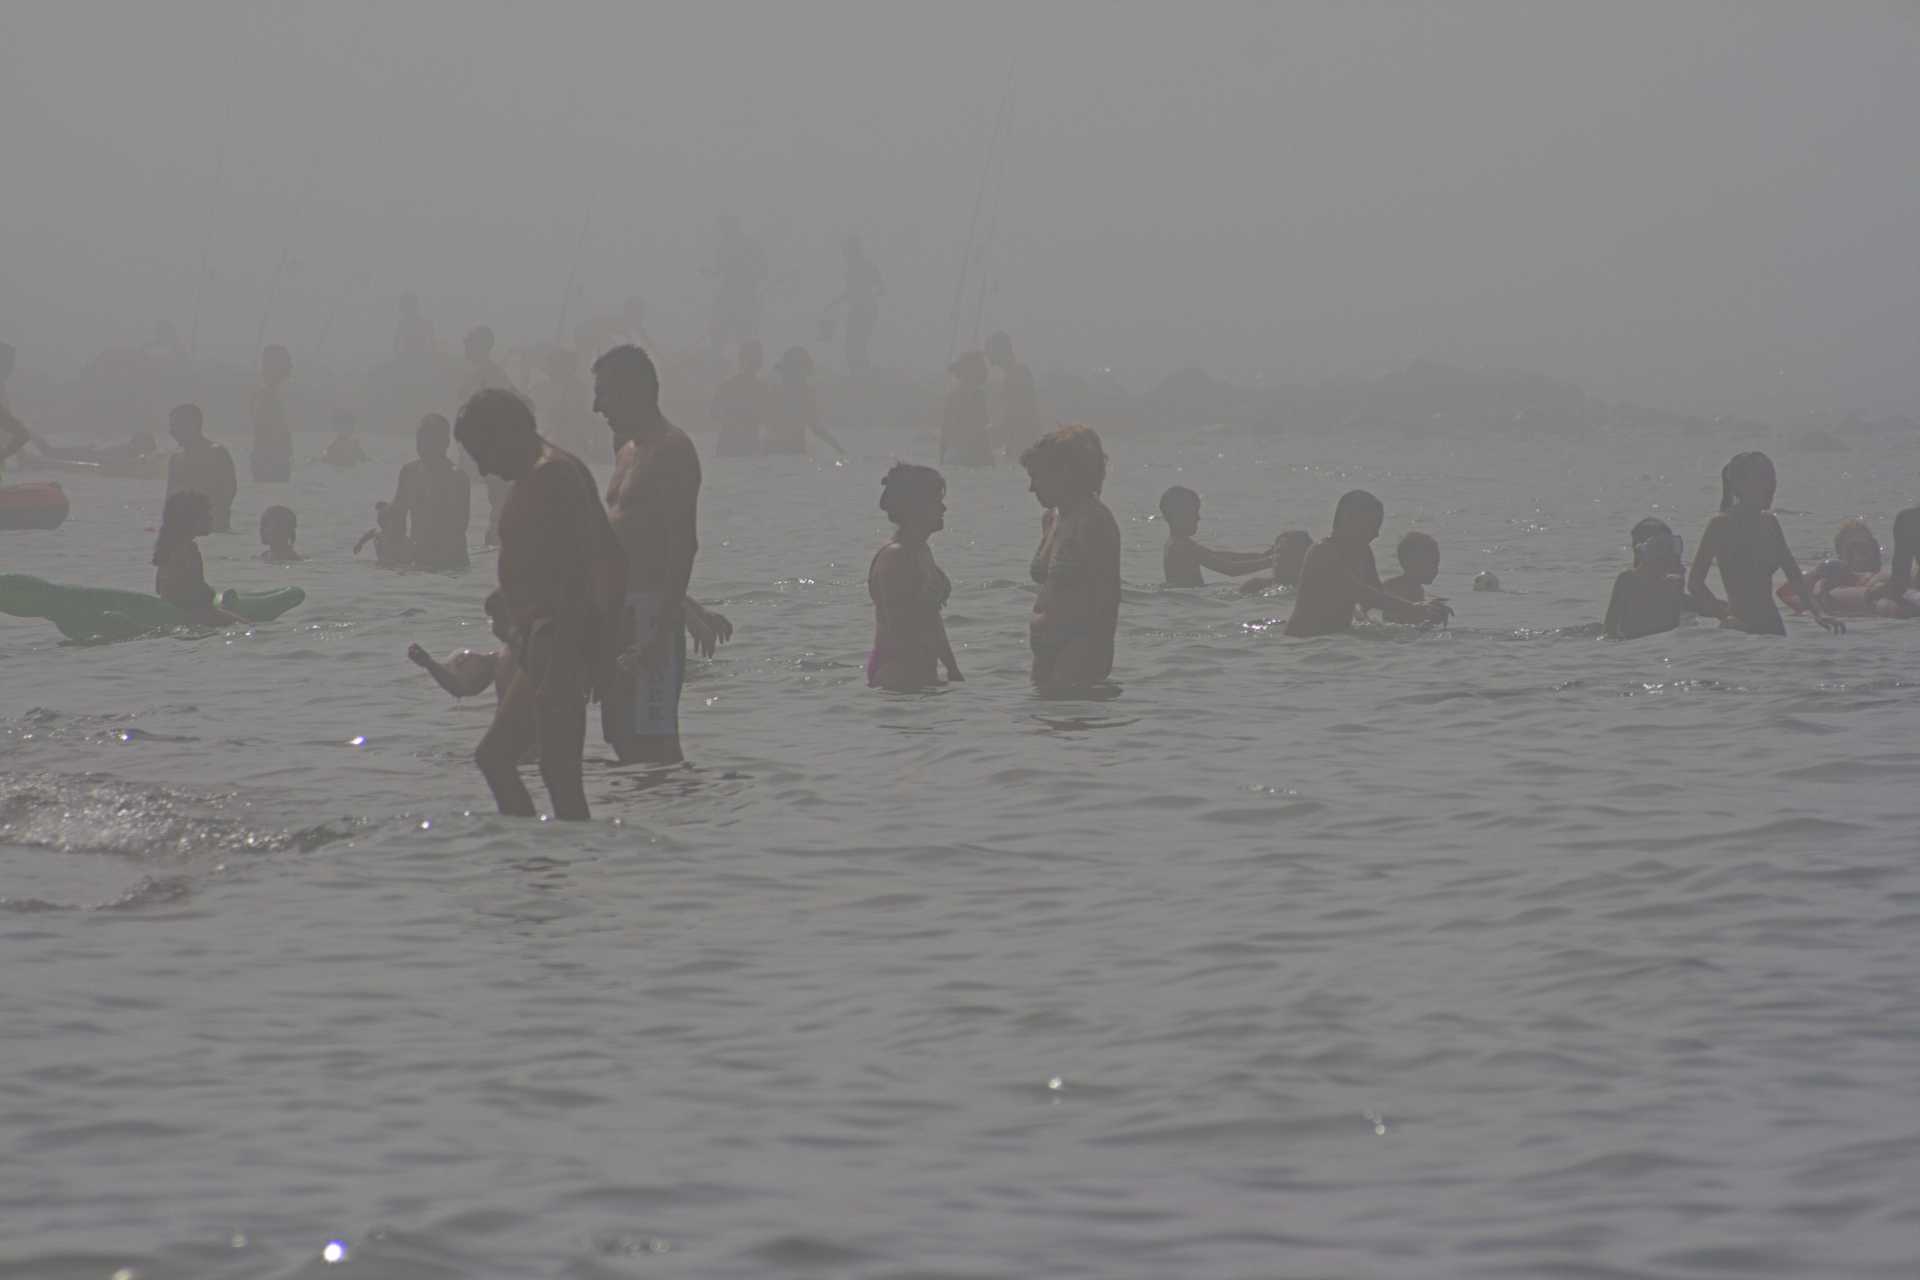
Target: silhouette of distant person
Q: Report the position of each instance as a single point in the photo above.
(432, 504)
(201, 466)
(345, 449)
(740, 273)
(413, 335)
(1016, 401)
(861, 297)
(964, 420)
(740, 405)
(564, 405)
(1077, 566)
(271, 460)
(794, 411)
(908, 588)
(483, 374)
(561, 574)
(653, 503)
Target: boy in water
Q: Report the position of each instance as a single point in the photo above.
(388, 535)
(277, 527)
(1648, 598)
(1184, 557)
(1289, 553)
(1419, 556)
(1339, 575)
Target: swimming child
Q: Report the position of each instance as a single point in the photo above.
(1419, 556)
(344, 450)
(1289, 553)
(1855, 563)
(1746, 541)
(1185, 558)
(388, 536)
(1339, 575)
(277, 528)
(1648, 598)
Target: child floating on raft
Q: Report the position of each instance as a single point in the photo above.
(1855, 564)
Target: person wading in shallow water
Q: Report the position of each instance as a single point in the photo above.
(908, 589)
(1078, 564)
(561, 571)
(653, 502)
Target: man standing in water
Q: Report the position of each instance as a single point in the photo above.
(653, 503)
(201, 465)
(561, 572)
(432, 501)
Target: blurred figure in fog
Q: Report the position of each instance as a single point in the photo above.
(740, 273)
(271, 460)
(740, 405)
(1078, 563)
(1016, 402)
(564, 403)
(413, 335)
(344, 450)
(861, 298)
(201, 466)
(964, 441)
(433, 502)
(795, 409)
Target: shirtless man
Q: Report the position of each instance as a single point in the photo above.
(201, 465)
(653, 503)
(1340, 574)
(560, 577)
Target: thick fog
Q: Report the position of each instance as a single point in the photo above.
(1711, 207)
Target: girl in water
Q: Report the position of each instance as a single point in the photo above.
(1078, 564)
(908, 588)
(1747, 542)
(180, 576)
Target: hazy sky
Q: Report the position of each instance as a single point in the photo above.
(1694, 204)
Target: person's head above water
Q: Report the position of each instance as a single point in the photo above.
(1180, 508)
(276, 364)
(186, 424)
(478, 344)
(277, 526)
(1000, 350)
(970, 369)
(1749, 480)
(1419, 555)
(1065, 465)
(1358, 514)
(1656, 548)
(496, 429)
(626, 390)
(187, 515)
(915, 499)
(1856, 546)
(432, 436)
(752, 357)
(796, 365)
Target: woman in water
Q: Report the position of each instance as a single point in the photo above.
(1078, 564)
(180, 576)
(1746, 540)
(964, 441)
(908, 589)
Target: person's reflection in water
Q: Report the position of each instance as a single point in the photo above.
(908, 589)
(1077, 565)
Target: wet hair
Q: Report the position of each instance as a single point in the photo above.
(906, 483)
(436, 427)
(1743, 465)
(490, 411)
(628, 364)
(1646, 528)
(1354, 501)
(177, 519)
(1178, 498)
(187, 415)
(1074, 453)
(278, 518)
(1415, 541)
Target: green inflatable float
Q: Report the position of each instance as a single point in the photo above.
(97, 613)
